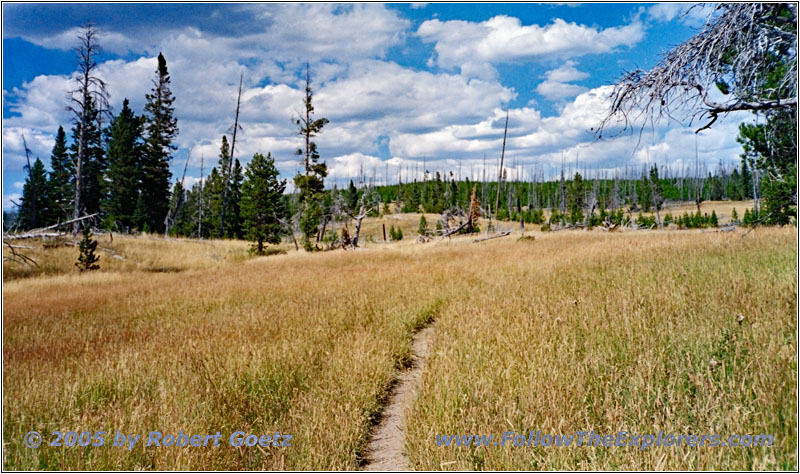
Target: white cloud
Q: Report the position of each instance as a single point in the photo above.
(471, 46)
(566, 73)
(690, 14)
(556, 85)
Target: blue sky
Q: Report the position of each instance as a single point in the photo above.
(402, 84)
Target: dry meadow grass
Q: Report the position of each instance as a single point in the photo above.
(572, 331)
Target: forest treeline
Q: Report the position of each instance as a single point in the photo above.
(117, 167)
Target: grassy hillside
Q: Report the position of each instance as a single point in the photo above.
(575, 330)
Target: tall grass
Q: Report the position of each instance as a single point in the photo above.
(612, 334)
(577, 330)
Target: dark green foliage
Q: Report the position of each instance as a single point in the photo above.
(87, 260)
(310, 182)
(645, 193)
(645, 221)
(423, 226)
(697, 220)
(351, 198)
(123, 180)
(734, 216)
(261, 204)
(161, 128)
(233, 220)
(35, 199)
(395, 233)
(61, 180)
(94, 162)
(747, 219)
(576, 191)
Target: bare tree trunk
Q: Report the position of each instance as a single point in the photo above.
(230, 162)
(500, 171)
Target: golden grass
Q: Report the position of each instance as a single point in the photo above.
(575, 330)
(617, 332)
(147, 253)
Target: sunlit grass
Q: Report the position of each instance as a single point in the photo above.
(575, 330)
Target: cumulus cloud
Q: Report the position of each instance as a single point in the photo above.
(471, 45)
(556, 84)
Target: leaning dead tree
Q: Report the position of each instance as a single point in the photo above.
(741, 49)
(45, 232)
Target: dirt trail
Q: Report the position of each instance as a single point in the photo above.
(386, 446)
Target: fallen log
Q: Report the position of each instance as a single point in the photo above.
(29, 235)
(495, 236)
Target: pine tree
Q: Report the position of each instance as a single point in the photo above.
(351, 198)
(714, 221)
(734, 215)
(423, 225)
(311, 184)
(87, 260)
(747, 219)
(212, 198)
(162, 128)
(261, 203)
(214, 191)
(125, 149)
(233, 219)
(93, 162)
(60, 181)
(35, 200)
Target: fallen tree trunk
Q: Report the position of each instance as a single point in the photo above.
(32, 236)
(495, 236)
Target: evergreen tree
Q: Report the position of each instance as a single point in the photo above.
(423, 225)
(575, 199)
(35, 200)
(87, 260)
(61, 180)
(123, 182)
(162, 128)
(310, 182)
(213, 202)
(234, 222)
(261, 203)
(773, 148)
(351, 198)
(93, 165)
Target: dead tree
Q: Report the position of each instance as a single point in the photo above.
(500, 170)
(90, 89)
(731, 53)
(367, 203)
